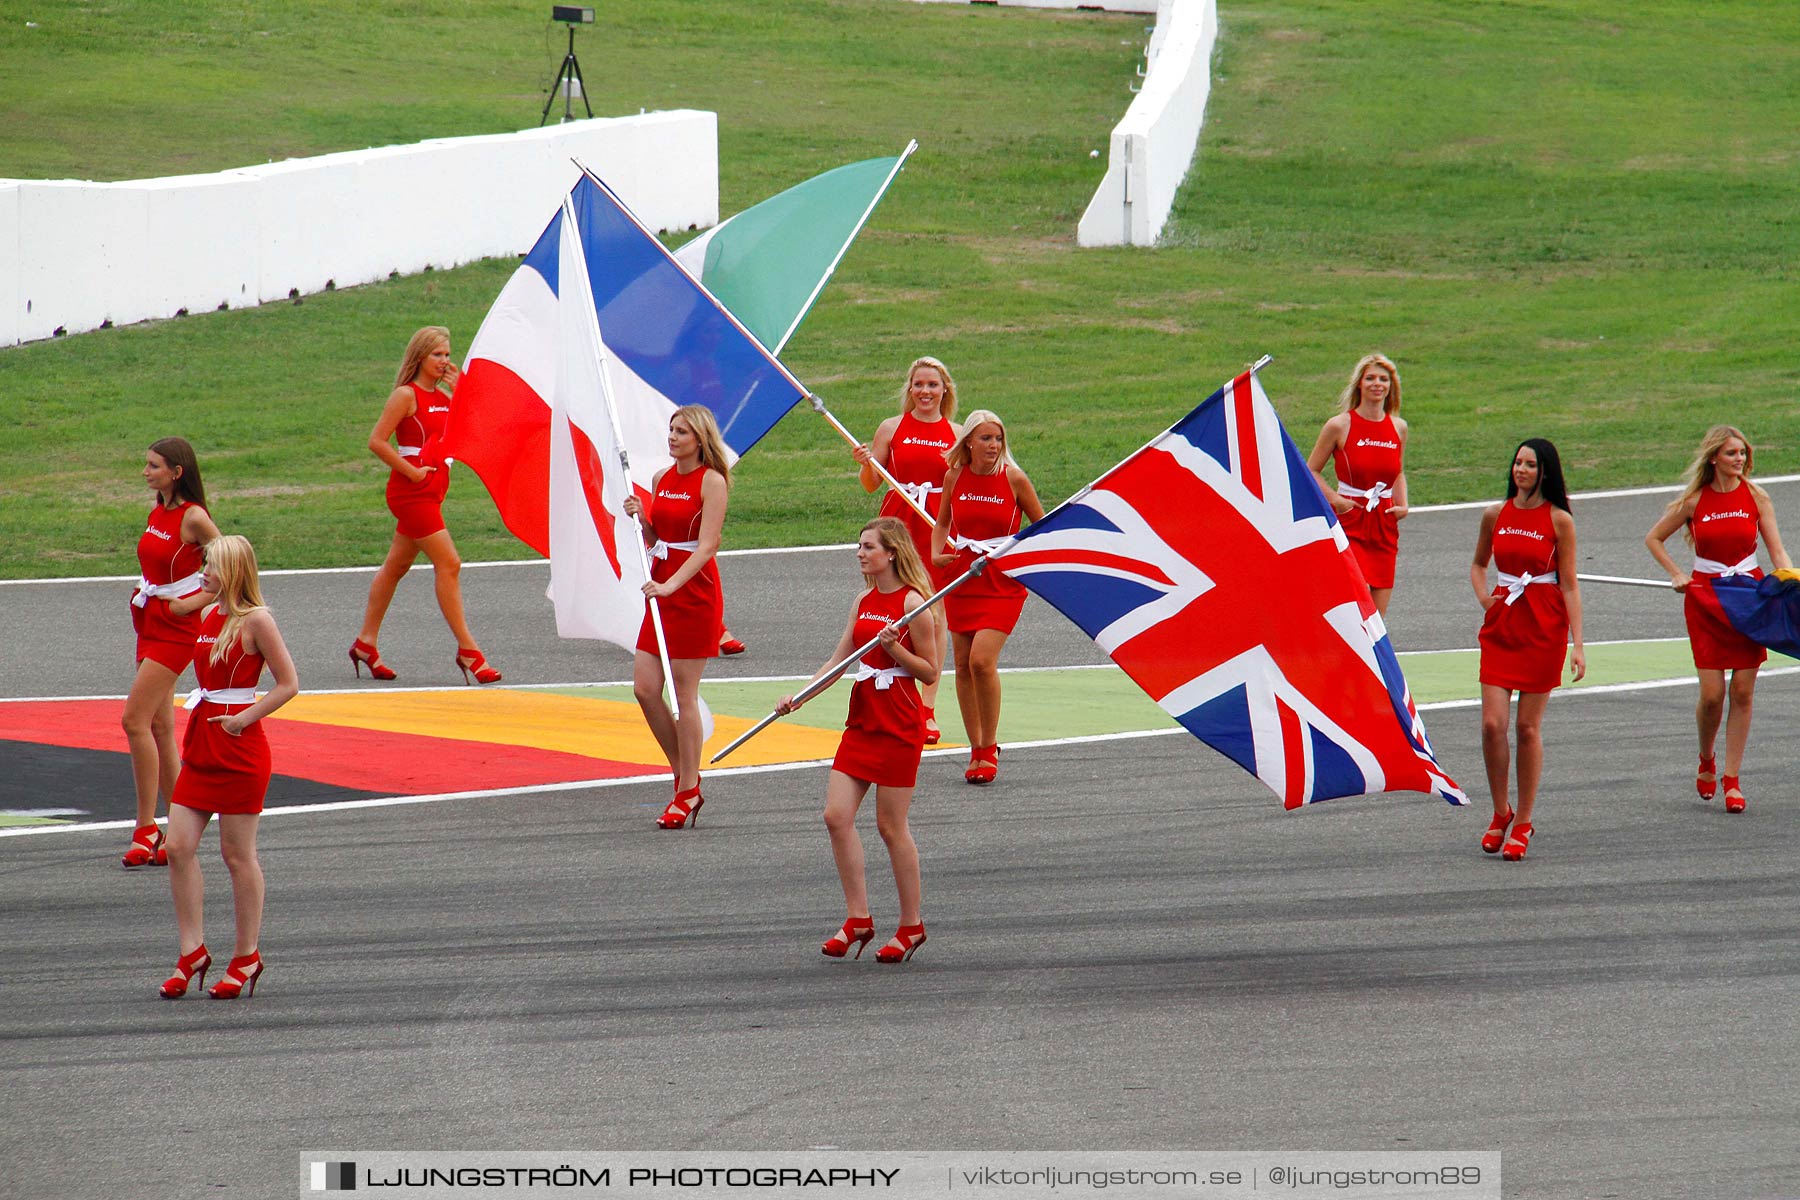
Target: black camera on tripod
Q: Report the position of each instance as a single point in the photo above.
(568, 76)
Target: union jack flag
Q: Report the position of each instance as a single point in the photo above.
(1213, 571)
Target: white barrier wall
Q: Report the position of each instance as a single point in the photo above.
(1153, 146)
(74, 255)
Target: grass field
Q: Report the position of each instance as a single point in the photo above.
(1551, 218)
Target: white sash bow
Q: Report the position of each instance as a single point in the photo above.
(883, 676)
(1712, 566)
(220, 696)
(1515, 585)
(662, 548)
(166, 591)
(411, 451)
(957, 541)
(920, 492)
(1374, 495)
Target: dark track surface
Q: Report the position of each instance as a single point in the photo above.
(1131, 945)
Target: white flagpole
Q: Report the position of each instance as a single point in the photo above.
(831, 675)
(818, 406)
(1655, 583)
(598, 348)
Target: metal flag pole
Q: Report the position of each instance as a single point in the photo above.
(597, 347)
(1655, 583)
(831, 674)
(899, 488)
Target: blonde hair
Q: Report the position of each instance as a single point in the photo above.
(418, 347)
(233, 561)
(958, 455)
(897, 541)
(1351, 396)
(706, 430)
(948, 405)
(1701, 472)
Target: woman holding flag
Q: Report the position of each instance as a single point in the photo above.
(911, 447)
(1723, 512)
(884, 734)
(1366, 444)
(417, 412)
(169, 593)
(985, 494)
(685, 518)
(1533, 615)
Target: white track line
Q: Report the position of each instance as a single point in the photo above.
(770, 768)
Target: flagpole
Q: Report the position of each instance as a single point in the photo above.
(818, 406)
(1655, 583)
(830, 675)
(597, 346)
(911, 145)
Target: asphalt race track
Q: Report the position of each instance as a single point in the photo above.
(1131, 944)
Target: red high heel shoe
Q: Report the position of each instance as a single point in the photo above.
(1517, 842)
(1706, 779)
(905, 943)
(362, 654)
(731, 645)
(1496, 833)
(984, 767)
(857, 931)
(1733, 803)
(189, 965)
(932, 733)
(240, 978)
(473, 662)
(683, 810)
(147, 848)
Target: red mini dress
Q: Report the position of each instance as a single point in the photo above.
(1367, 464)
(693, 619)
(983, 510)
(418, 507)
(1724, 525)
(1525, 637)
(916, 459)
(168, 569)
(221, 773)
(884, 734)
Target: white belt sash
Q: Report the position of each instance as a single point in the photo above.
(957, 541)
(1515, 585)
(1374, 495)
(1712, 566)
(220, 696)
(662, 547)
(166, 591)
(883, 676)
(920, 492)
(411, 451)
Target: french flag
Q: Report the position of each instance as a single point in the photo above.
(600, 316)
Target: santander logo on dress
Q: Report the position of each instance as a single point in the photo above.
(1736, 513)
(919, 441)
(674, 496)
(984, 498)
(1378, 445)
(1515, 531)
(154, 532)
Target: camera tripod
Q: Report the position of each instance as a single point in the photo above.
(568, 82)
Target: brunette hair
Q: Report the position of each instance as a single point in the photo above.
(1550, 473)
(232, 559)
(418, 346)
(179, 454)
(948, 406)
(1351, 396)
(897, 541)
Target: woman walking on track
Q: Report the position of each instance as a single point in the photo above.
(985, 495)
(883, 736)
(684, 520)
(226, 766)
(417, 411)
(169, 594)
(1366, 444)
(1723, 513)
(912, 447)
(1533, 616)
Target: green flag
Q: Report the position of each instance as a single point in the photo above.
(769, 263)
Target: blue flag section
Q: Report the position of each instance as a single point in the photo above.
(1210, 567)
(1766, 610)
(665, 328)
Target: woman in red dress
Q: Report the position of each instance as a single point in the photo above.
(1366, 444)
(883, 735)
(1533, 617)
(1723, 512)
(225, 766)
(684, 520)
(912, 447)
(169, 594)
(416, 413)
(985, 495)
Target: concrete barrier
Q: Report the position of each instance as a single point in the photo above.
(76, 255)
(1153, 146)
